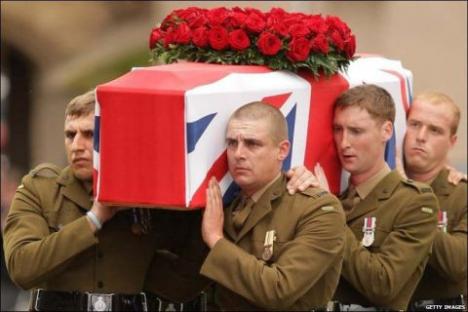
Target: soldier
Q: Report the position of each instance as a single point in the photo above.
(431, 133)
(391, 220)
(77, 254)
(277, 251)
(72, 251)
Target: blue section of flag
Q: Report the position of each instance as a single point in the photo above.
(231, 193)
(410, 95)
(196, 129)
(390, 152)
(291, 120)
(96, 136)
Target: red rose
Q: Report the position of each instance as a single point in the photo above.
(255, 23)
(195, 17)
(200, 37)
(239, 40)
(335, 23)
(316, 24)
(169, 21)
(275, 17)
(268, 43)
(218, 38)
(293, 18)
(280, 29)
(154, 37)
(182, 34)
(298, 30)
(217, 16)
(169, 38)
(350, 46)
(237, 18)
(337, 40)
(319, 44)
(299, 49)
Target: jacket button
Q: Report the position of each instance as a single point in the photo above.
(100, 284)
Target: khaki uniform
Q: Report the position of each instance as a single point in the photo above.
(445, 274)
(386, 273)
(304, 268)
(49, 244)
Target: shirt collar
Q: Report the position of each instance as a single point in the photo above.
(365, 188)
(256, 196)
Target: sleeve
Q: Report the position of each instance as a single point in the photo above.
(404, 249)
(34, 252)
(449, 252)
(301, 263)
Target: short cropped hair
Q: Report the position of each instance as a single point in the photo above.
(374, 99)
(439, 98)
(82, 105)
(261, 110)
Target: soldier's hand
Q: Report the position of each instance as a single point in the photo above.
(103, 212)
(454, 175)
(300, 178)
(321, 177)
(213, 216)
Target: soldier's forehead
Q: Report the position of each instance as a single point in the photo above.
(80, 123)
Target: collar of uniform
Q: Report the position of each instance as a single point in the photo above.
(366, 187)
(384, 190)
(263, 206)
(440, 184)
(258, 194)
(74, 189)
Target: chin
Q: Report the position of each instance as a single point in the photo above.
(84, 175)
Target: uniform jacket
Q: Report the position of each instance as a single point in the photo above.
(305, 266)
(49, 243)
(445, 274)
(386, 273)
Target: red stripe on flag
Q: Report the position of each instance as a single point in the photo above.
(277, 100)
(320, 146)
(403, 92)
(218, 170)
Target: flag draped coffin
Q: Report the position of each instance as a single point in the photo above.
(159, 131)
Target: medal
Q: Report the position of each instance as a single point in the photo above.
(442, 224)
(369, 231)
(270, 237)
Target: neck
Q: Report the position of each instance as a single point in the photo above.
(426, 176)
(263, 186)
(359, 178)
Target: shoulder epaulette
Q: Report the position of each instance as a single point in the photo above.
(314, 192)
(420, 187)
(46, 170)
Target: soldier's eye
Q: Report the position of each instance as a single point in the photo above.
(70, 135)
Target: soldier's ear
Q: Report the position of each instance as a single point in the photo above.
(284, 147)
(386, 130)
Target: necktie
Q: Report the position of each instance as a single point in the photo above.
(351, 200)
(240, 215)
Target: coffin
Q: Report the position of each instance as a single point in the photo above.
(159, 131)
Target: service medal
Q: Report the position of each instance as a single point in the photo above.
(442, 224)
(369, 231)
(270, 237)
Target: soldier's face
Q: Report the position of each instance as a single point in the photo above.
(79, 145)
(360, 141)
(253, 158)
(428, 138)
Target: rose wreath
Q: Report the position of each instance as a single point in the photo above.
(277, 39)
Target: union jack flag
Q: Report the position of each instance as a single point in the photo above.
(159, 131)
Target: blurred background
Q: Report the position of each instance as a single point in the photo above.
(52, 51)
